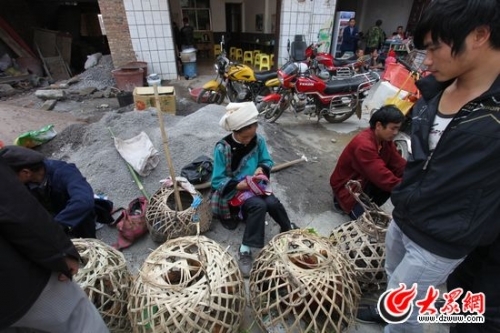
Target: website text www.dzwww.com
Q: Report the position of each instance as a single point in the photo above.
(451, 319)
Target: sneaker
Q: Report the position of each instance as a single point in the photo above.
(293, 226)
(368, 314)
(245, 263)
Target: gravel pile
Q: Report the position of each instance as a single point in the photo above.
(98, 76)
(92, 149)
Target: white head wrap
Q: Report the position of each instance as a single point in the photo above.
(239, 115)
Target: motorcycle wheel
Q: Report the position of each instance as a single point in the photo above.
(270, 110)
(209, 97)
(402, 148)
(335, 119)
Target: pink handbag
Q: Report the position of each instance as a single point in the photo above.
(131, 223)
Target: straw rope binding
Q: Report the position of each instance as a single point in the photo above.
(363, 243)
(165, 222)
(299, 282)
(106, 280)
(188, 284)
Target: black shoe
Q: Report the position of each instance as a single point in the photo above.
(245, 263)
(368, 314)
(293, 226)
(336, 207)
(229, 224)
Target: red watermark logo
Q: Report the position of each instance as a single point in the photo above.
(396, 305)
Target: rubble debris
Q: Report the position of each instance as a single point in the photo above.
(98, 76)
(49, 105)
(50, 94)
(6, 90)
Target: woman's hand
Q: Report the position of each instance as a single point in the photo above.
(242, 186)
(259, 171)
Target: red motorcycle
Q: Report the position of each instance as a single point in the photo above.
(320, 61)
(335, 100)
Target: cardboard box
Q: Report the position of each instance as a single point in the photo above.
(144, 97)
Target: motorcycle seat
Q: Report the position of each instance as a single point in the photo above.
(347, 85)
(265, 75)
(343, 62)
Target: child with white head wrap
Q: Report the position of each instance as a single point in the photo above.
(239, 115)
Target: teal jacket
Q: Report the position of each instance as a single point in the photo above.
(222, 173)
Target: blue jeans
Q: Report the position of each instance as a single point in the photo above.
(406, 262)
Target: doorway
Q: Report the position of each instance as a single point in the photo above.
(233, 18)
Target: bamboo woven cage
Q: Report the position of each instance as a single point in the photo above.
(106, 280)
(188, 284)
(363, 243)
(300, 283)
(165, 222)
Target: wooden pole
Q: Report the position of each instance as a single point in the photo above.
(177, 196)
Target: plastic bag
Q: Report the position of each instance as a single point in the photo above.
(35, 138)
(199, 171)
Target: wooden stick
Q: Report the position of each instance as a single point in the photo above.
(167, 150)
(282, 166)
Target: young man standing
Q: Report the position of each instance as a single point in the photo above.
(372, 159)
(448, 203)
(350, 37)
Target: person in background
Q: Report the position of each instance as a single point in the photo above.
(358, 55)
(238, 155)
(375, 62)
(400, 33)
(372, 159)
(350, 38)
(187, 35)
(375, 37)
(58, 186)
(38, 262)
(445, 225)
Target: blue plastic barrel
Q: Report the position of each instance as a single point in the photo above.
(189, 70)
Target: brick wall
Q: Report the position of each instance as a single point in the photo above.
(115, 22)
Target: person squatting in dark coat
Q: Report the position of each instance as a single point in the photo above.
(59, 187)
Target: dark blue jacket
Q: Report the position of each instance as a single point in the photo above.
(349, 42)
(66, 195)
(449, 201)
(32, 246)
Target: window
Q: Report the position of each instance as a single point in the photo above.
(198, 13)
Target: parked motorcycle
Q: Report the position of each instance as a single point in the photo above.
(238, 82)
(335, 100)
(324, 61)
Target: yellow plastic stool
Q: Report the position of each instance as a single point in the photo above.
(264, 62)
(272, 60)
(239, 54)
(217, 50)
(232, 52)
(255, 53)
(256, 60)
(248, 57)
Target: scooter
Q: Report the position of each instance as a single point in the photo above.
(237, 81)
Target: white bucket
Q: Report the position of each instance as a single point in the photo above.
(188, 55)
(154, 79)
